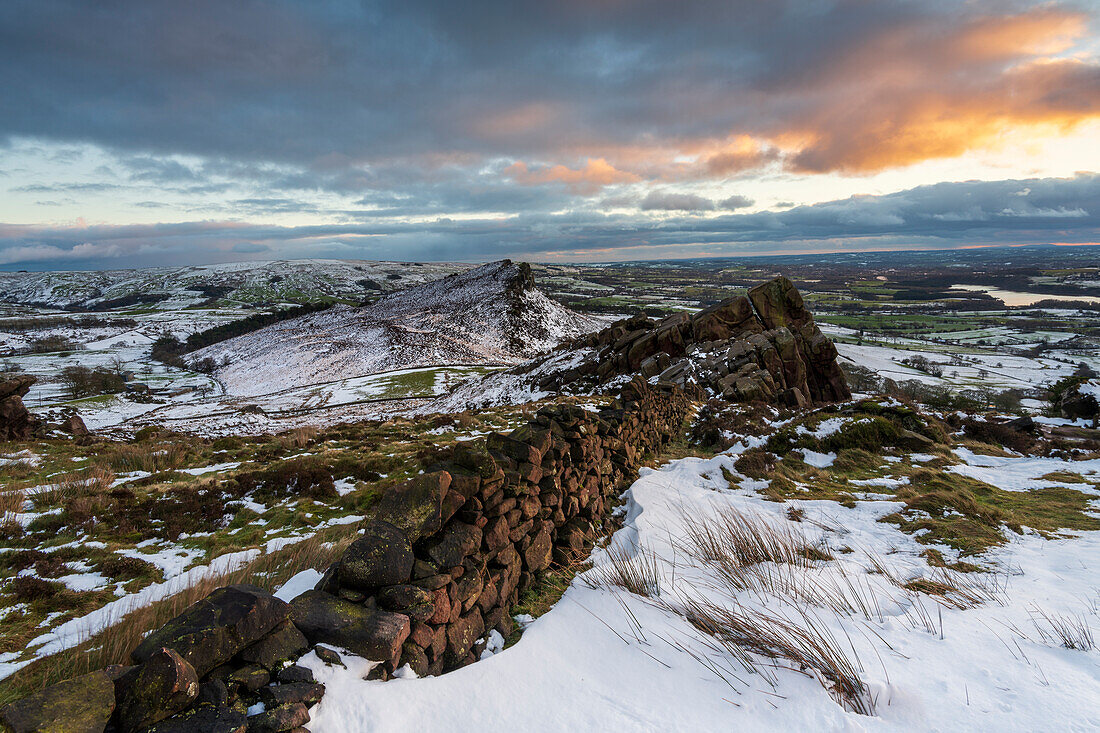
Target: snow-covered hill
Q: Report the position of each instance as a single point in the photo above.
(489, 315)
(276, 281)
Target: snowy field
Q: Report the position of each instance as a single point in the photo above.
(607, 659)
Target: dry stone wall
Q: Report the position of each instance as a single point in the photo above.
(437, 567)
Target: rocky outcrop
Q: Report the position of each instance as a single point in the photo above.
(761, 347)
(16, 423)
(1080, 401)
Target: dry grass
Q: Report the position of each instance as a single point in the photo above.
(11, 504)
(636, 572)
(947, 587)
(72, 486)
(732, 540)
(774, 559)
(1067, 630)
(299, 437)
(129, 457)
(805, 643)
(114, 644)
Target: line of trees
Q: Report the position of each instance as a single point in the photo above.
(169, 349)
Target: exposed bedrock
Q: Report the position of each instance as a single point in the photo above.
(761, 347)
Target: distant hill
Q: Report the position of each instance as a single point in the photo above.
(257, 283)
(493, 314)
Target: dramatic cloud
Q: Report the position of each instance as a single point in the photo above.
(594, 175)
(442, 122)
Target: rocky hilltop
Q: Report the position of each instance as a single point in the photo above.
(492, 314)
(762, 346)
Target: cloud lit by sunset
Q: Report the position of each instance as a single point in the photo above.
(541, 130)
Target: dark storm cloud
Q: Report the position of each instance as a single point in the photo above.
(468, 130)
(945, 214)
(343, 87)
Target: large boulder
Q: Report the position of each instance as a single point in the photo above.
(779, 305)
(212, 631)
(81, 705)
(284, 644)
(369, 632)
(15, 422)
(729, 318)
(381, 556)
(74, 426)
(161, 687)
(415, 506)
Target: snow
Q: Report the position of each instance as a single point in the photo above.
(1023, 473)
(344, 486)
(1091, 387)
(885, 481)
(817, 460)
(85, 581)
(297, 585)
(214, 468)
(961, 369)
(585, 665)
(825, 428)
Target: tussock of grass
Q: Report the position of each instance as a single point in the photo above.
(152, 458)
(804, 643)
(11, 503)
(730, 538)
(636, 572)
(756, 463)
(299, 437)
(1065, 630)
(75, 485)
(1068, 477)
(949, 588)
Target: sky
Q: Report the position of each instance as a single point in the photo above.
(142, 133)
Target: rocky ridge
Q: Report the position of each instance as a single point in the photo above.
(443, 556)
(763, 346)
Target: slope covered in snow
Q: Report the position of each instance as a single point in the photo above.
(629, 663)
(489, 315)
